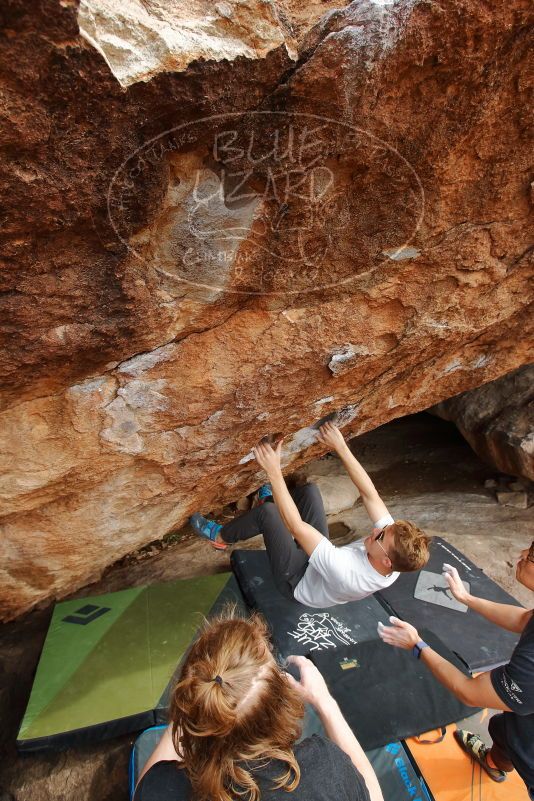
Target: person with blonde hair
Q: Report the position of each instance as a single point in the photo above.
(235, 720)
(306, 566)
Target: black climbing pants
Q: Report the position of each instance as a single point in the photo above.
(499, 748)
(288, 560)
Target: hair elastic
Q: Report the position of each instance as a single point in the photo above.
(218, 680)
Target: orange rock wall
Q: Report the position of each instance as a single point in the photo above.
(167, 299)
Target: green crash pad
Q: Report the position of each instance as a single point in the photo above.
(108, 660)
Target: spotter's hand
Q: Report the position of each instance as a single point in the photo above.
(456, 586)
(400, 634)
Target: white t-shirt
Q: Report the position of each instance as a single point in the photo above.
(339, 575)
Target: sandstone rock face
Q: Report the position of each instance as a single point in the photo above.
(138, 40)
(227, 225)
(497, 420)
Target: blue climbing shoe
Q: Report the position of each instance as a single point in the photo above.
(264, 493)
(207, 529)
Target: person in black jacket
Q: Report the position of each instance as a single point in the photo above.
(509, 688)
(235, 719)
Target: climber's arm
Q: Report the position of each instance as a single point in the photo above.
(307, 536)
(330, 435)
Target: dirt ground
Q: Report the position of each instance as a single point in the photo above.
(424, 471)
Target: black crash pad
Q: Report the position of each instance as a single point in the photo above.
(299, 629)
(423, 599)
(387, 694)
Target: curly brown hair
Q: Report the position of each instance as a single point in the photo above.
(410, 546)
(231, 706)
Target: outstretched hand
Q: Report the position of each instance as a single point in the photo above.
(455, 583)
(400, 634)
(268, 458)
(330, 435)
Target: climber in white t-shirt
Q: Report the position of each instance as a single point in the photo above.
(305, 564)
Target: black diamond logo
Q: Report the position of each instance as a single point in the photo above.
(86, 614)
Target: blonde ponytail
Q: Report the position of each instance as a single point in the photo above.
(232, 706)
